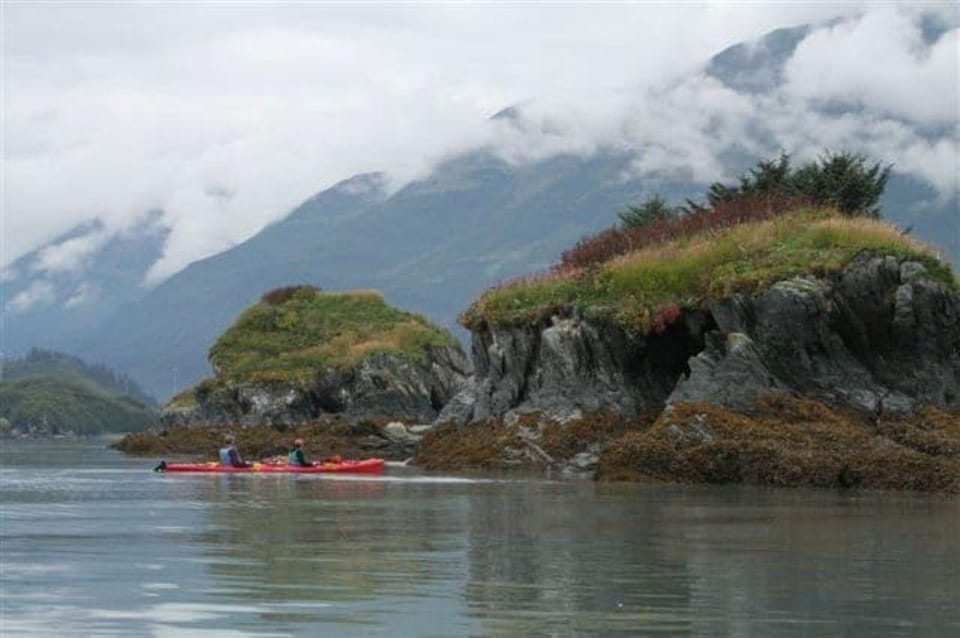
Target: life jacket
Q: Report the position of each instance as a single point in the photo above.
(225, 456)
(295, 457)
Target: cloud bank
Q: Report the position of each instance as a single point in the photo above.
(225, 117)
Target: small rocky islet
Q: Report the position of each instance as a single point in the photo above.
(799, 347)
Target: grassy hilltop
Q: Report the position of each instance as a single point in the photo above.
(776, 222)
(645, 287)
(293, 333)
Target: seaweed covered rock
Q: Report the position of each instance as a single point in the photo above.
(791, 442)
(328, 436)
(301, 353)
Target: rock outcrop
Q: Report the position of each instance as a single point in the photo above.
(382, 385)
(878, 336)
(573, 366)
(863, 350)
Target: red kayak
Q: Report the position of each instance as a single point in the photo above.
(362, 466)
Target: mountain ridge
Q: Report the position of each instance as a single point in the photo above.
(432, 245)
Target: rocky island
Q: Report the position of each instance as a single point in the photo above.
(800, 347)
(345, 371)
(781, 335)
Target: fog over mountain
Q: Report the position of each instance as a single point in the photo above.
(226, 117)
(457, 199)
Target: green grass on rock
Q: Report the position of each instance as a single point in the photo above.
(311, 330)
(634, 288)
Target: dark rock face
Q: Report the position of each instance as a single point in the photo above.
(730, 370)
(573, 366)
(878, 337)
(380, 386)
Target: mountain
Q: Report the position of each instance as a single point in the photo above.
(53, 393)
(64, 289)
(430, 247)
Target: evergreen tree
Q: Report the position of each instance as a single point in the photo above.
(654, 209)
(844, 180)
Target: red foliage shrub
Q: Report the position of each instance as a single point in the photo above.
(620, 241)
(665, 318)
(279, 295)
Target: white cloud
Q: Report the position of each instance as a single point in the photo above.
(683, 129)
(882, 62)
(82, 294)
(228, 116)
(38, 292)
(68, 255)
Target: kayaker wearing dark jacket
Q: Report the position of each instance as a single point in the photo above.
(296, 455)
(229, 455)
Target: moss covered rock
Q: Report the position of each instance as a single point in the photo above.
(301, 353)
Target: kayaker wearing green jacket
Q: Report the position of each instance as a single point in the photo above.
(297, 456)
(229, 455)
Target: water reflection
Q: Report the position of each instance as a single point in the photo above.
(108, 548)
(556, 557)
(533, 557)
(302, 539)
(766, 561)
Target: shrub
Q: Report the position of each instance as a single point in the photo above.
(621, 241)
(278, 296)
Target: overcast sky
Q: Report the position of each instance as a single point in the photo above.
(225, 116)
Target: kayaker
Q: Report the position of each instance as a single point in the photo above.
(229, 455)
(297, 456)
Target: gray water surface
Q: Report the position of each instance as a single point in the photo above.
(92, 543)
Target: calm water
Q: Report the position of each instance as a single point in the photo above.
(94, 543)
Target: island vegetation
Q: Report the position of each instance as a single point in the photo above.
(51, 393)
(295, 332)
(775, 223)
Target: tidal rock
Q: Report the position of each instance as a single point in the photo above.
(730, 371)
(381, 385)
(398, 433)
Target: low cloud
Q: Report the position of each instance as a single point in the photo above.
(684, 129)
(83, 294)
(880, 62)
(226, 117)
(69, 255)
(39, 292)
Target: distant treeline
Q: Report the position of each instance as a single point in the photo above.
(41, 363)
(49, 393)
